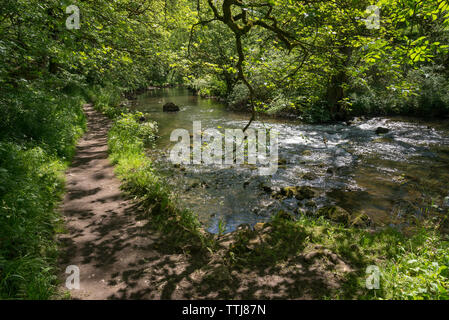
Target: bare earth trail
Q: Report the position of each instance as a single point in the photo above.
(105, 239)
(120, 255)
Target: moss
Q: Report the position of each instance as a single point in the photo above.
(299, 193)
(360, 220)
(335, 213)
(383, 140)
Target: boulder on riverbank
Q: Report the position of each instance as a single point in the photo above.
(170, 107)
(361, 220)
(340, 215)
(335, 214)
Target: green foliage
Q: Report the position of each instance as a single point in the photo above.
(422, 92)
(40, 112)
(322, 52)
(239, 96)
(31, 175)
(105, 98)
(419, 271)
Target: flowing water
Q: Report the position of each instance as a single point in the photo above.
(387, 176)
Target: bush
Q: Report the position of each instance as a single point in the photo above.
(419, 271)
(209, 86)
(105, 99)
(423, 92)
(239, 96)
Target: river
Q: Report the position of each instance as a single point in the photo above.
(389, 177)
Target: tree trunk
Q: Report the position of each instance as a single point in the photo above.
(335, 90)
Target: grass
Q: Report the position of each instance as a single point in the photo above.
(37, 140)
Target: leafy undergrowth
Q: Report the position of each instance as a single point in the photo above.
(419, 270)
(105, 98)
(37, 139)
(411, 267)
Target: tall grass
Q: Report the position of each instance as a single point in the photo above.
(38, 133)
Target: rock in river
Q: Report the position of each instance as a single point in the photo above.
(309, 176)
(340, 215)
(170, 107)
(382, 130)
(300, 193)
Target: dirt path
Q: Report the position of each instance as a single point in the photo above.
(106, 238)
(121, 256)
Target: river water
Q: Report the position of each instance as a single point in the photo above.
(389, 177)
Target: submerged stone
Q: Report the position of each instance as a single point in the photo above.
(382, 130)
(300, 193)
(170, 107)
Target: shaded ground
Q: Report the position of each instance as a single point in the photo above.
(121, 256)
